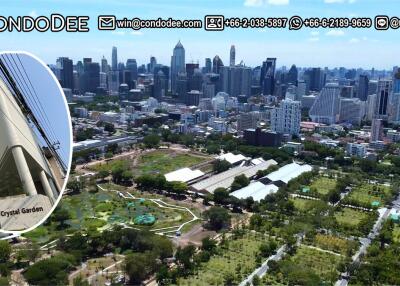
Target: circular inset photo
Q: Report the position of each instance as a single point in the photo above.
(35, 142)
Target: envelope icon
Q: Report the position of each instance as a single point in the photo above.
(106, 22)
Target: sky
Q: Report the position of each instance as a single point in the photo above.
(307, 47)
(48, 94)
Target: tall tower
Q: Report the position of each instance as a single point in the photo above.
(383, 94)
(177, 64)
(232, 56)
(114, 59)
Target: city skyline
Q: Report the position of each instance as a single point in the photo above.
(307, 47)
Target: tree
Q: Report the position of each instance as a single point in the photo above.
(151, 141)
(102, 174)
(221, 196)
(221, 166)
(267, 249)
(139, 266)
(208, 244)
(5, 251)
(75, 185)
(184, 257)
(109, 127)
(61, 215)
(239, 182)
(256, 280)
(79, 281)
(217, 217)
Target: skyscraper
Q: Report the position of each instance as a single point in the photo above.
(91, 75)
(104, 65)
(177, 64)
(285, 119)
(159, 85)
(208, 65)
(236, 80)
(376, 130)
(267, 77)
(66, 72)
(232, 55)
(362, 92)
(114, 59)
(383, 93)
(351, 110)
(326, 107)
(396, 81)
(315, 79)
(217, 64)
(292, 75)
(131, 65)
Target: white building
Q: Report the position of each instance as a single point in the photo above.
(351, 110)
(326, 107)
(376, 130)
(286, 118)
(354, 149)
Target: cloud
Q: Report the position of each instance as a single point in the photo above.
(278, 2)
(314, 33)
(33, 14)
(253, 3)
(119, 33)
(335, 33)
(339, 1)
(137, 33)
(313, 39)
(258, 3)
(354, 40)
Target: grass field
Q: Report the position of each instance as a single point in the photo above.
(165, 161)
(304, 205)
(323, 185)
(367, 194)
(97, 211)
(335, 244)
(350, 218)
(238, 259)
(322, 263)
(396, 233)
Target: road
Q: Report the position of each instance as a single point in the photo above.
(260, 272)
(366, 242)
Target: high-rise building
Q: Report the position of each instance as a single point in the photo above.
(376, 130)
(351, 110)
(181, 86)
(362, 92)
(165, 70)
(248, 120)
(131, 65)
(285, 119)
(370, 108)
(372, 87)
(326, 106)
(90, 79)
(217, 64)
(267, 76)
(292, 75)
(208, 65)
(315, 79)
(236, 80)
(65, 67)
(113, 81)
(193, 98)
(395, 108)
(383, 94)
(152, 64)
(159, 85)
(114, 59)
(232, 55)
(177, 65)
(396, 81)
(104, 65)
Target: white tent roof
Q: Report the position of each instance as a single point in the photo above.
(232, 158)
(183, 175)
(288, 172)
(256, 190)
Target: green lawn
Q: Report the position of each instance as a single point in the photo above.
(322, 263)
(366, 194)
(323, 185)
(396, 233)
(97, 211)
(304, 205)
(238, 258)
(350, 218)
(165, 161)
(336, 244)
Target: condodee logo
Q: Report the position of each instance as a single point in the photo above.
(54, 23)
